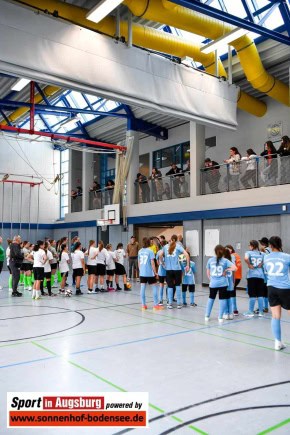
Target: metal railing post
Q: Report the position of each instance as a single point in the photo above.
(228, 177)
(257, 172)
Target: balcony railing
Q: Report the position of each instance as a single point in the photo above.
(160, 189)
(76, 204)
(247, 174)
(99, 198)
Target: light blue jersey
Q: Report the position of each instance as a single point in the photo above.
(145, 255)
(161, 269)
(255, 258)
(188, 277)
(276, 266)
(172, 260)
(230, 276)
(217, 278)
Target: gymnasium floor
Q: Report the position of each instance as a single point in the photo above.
(201, 379)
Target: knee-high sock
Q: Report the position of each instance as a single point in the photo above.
(161, 288)
(184, 297)
(266, 303)
(191, 297)
(58, 276)
(21, 280)
(155, 294)
(209, 306)
(234, 302)
(178, 294)
(231, 303)
(170, 295)
(252, 304)
(223, 304)
(32, 278)
(10, 281)
(25, 281)
(276, 328)
(227, 306)
(48, 285)
(52, 280)
(142, 294)
(41, 286)
(29, 281)
(261, 304)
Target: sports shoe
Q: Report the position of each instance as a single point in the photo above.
(226, 317)
(97, 290)
(249, 314)
(111, 289)
(160, 307)
(89, 292)
(193, 305)
(128, 279)
(118, 288)
(127, 289)
(25, 288)
(174, 300)
(179, 307)
(256, 311)
(185, 304)
(61, 291)
(29, 289)
(279, 345)
(260, 315)
(104, 290)
(33, 297)
(155, 307)
(37, 297)
(231, 317)
(1, 288)
(236, 313)
(160, 304)
(266, 310)
(169, 306)
(220, 320)
(144, 307)
(18, 294)
(138, 279)
(206, 319)
(79, 292)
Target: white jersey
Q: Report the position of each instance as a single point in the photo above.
(102, 256)
(8, 255)
(47, 264)
(38, 258)
(92, 259)
(110, 260)
(63, 263)
(120, 255)
(77, 257)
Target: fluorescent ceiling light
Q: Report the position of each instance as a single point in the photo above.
(101, 10)
(20, 84)
(226, 39)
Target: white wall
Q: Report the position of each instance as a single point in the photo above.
(41, 157)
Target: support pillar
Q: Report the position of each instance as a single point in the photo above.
(197, 156)
(87, 178)
(69, 180)
(134, 167)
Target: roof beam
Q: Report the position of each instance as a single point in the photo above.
(147, 128)
(195, 5)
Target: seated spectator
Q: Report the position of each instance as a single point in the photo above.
(284, 152)
(234, 168)
(270, 171)
(212, 174)
(175, 173)
(251, 169)
(156, 184)
(143, 184)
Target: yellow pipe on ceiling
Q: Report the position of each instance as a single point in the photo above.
(146, 37)
(166, 12)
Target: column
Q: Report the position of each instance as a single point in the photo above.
(134, 167)
(87, 178)
(69, 180)
(197, 156)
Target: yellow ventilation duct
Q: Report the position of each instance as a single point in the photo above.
(149, 38)
(166, 12)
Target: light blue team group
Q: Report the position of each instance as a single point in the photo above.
(267, 278)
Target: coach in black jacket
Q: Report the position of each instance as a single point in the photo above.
(16, 259)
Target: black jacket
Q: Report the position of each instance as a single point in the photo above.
(16, 254)
(175, 173)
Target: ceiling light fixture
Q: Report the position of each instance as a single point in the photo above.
(223, 40)
(102, 9)
(20, 84)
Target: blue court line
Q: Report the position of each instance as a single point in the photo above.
(117, 345)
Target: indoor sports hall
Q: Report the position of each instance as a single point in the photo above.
(144, 216)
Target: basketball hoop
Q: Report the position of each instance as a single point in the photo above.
(103, 223)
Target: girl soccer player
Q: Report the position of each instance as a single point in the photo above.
(255, 277)
(148, 274)
(238, 277)
(229, 314)
(78, 266)
(110, 267)
(91, 264)
(188, 281)
(47, 270)
(27, 266)
(161, 273)
(217, 267)
(120, 269)
(170, 254)
(63, 266)
(39, 259)
(277, 265)
(102, 256)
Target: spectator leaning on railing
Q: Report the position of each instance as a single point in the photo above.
(175, 173)
(212, 174)
(95, 191)
(156, 184)
(234, 168)
(284, 152)
(270, 172)
(143, 184)
(251, 169)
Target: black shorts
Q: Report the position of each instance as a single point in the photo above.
(162, 279)
(1, 265)
(232, 293)
(111, 272)
(278, 296)
(92, 269)
(222, 291)
(53, 266)
(148, 279)
(120, 269)
(256, 287)
(47, 275)
(101, 270)
(173, 278)
(64, 274)
(38, 273)
(191, 287)
(25, 267)
(78, 272)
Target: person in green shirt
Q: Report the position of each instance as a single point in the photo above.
(2, 257)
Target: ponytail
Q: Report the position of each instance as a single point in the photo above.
(91, 242)
(101, 245)
(62, 248)
(219, 252)
(172, 244)
(37, 245)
